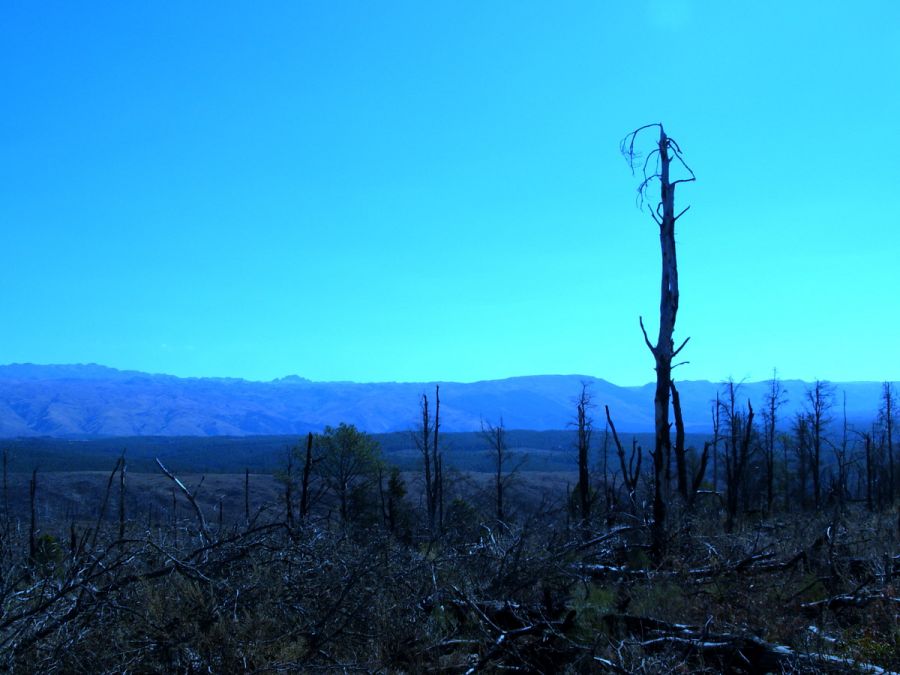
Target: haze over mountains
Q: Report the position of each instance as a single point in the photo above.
(71, 401)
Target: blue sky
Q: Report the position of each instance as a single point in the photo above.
(421, 191)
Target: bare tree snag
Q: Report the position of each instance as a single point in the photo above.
(819, 399)
(246, 496)
(656, 167)
(192, 500)
(289, 490)
(680, 466)
(631, 471)
(715, 443)
(701, 473)
(870, 471)
(438, 464)
(584, 426)
(304, 484)
(494, 435)
(887, 415)
(32, 530)
(426, 436)
(737, 457)
(775, 398)
(496, 440)
(6, 488)
(122, 469)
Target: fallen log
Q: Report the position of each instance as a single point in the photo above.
(731, 652)
(847, 601)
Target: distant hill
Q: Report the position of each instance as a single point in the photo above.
(77, 401)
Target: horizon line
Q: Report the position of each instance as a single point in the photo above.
(423, 382)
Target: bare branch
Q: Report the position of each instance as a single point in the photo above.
(626, 146)
(191, 497)
(675, 353)
(646, 339)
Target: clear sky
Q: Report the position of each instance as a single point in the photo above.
(433, 190)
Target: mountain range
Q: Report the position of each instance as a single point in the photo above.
(79, 401)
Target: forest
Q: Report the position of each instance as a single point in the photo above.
(768, 545)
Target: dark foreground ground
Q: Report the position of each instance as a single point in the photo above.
(112, 571)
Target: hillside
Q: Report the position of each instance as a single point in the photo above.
(72, 401)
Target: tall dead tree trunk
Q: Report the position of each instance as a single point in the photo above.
(32, 530)
(631, 472)
(122, 470)
(246, 496)
(775, 398)
(870, 471)
(583, 440)
(801, 434)
(423, 441)
(715, 442)
(289, 490)
(819, 400)
(304, 482)
(888, 411)
(496, 439)
(680, 467)
(438, 463)
(427, 438)
(657, 167)
(5, 489)
(842, 457)
(736, 460)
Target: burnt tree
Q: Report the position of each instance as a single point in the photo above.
(631, 472)
(680, 466)
(656, 168)
(495, 436)
(776, 397)
(886, 415)
(819, 399)
(584, 426)
(426, 439)
(737, 456)
(687, 491)
(304, 484)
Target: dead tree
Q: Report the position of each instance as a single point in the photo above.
(737, 450)
(6, 488)
(286, 477)
(869, 459)
(584, 425)
(680, 466)
(776, 397)
(801, 449)
(246, 495)
(715, 442)
(122, 470)
(438, 461)
(656, 168)
(631, 469)
(609, 491)
(688, 493)
(426, 439)
(887, 414)
(842, 457)
(192, 500)
(819, 400)
(304, 481)
(701, 473)
(496, 439)
(32, 530)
